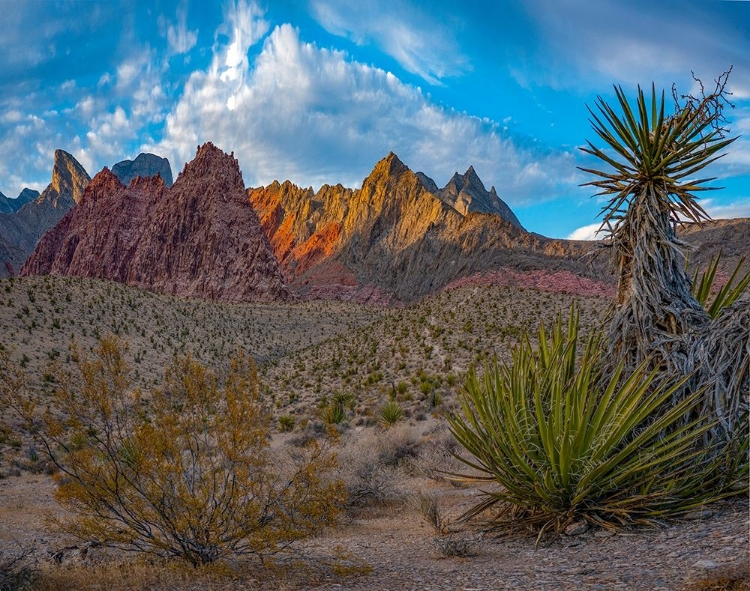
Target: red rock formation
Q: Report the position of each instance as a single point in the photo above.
(199, 238)
(395, 238)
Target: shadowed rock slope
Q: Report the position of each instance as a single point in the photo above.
(145, 165)
(12, 205)
(395, 238)
(199, 238)
(20, 231)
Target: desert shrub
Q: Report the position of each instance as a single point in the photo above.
(286, 423)
(371, 466)
(390, 414)
(333, 414)
(566, 440)
(181, 471)
(17, 569)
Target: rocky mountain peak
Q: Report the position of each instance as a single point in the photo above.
(198, 238)
(390, 166)
(68, 176)
(427, 182)
(145, 165)
(104, 182)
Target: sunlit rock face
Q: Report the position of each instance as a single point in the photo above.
(400, 237)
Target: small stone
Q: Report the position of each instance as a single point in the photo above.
(705, 564)
(700, 514)
(576, 528)
(603, 533)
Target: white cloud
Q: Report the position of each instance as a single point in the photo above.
(634, 42)
(415, 38)
(736, 209)
(314, 116)
(590, 232)
(179, 38)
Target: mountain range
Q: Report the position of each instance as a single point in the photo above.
(396, 238)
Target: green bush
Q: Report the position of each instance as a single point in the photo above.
(286, 423)
(390, 414)
(333, 414)
(564, 441)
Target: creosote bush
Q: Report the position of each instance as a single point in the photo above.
(564, 439)
(184, 470)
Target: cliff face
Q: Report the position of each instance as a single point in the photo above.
(398, 236)
(145, 165)
(199, 238)
(20, 231)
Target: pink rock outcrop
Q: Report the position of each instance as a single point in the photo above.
(199, 238)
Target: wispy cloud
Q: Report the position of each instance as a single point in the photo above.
(180, 39)
(589, 232)
(413, 36)
(637, 42)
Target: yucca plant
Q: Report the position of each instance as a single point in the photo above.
(333, 414)
(730, 292)
(563, 439)
(390, 414)
(653, 158)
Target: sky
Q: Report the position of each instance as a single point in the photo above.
(317, 91)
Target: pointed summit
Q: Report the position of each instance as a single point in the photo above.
(466, 194)
(23, 229)
(68, 176)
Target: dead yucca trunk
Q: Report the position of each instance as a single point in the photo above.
(656, 316)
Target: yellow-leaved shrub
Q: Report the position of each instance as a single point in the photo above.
(185, 470)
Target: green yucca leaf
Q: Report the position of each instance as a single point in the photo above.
(727, 295)
(561, 440)
(647, 148)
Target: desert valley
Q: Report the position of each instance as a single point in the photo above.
(365, 311)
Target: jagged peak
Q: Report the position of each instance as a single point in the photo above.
(68, 175)
(148, 183)
(471, 178)
(391, 163)
(210, 159)
(104, 182)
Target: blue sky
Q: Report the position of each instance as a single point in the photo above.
(317, 91)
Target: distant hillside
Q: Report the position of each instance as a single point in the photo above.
(12, 205)
(145, 165)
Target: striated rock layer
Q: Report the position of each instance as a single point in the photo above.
(400, 237)
(199, 238)
(21, 230)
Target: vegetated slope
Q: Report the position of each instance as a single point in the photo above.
(41, 317)
(418, 354)
(20, 231)
(145, 165)
(394, 238)
(199, 238)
